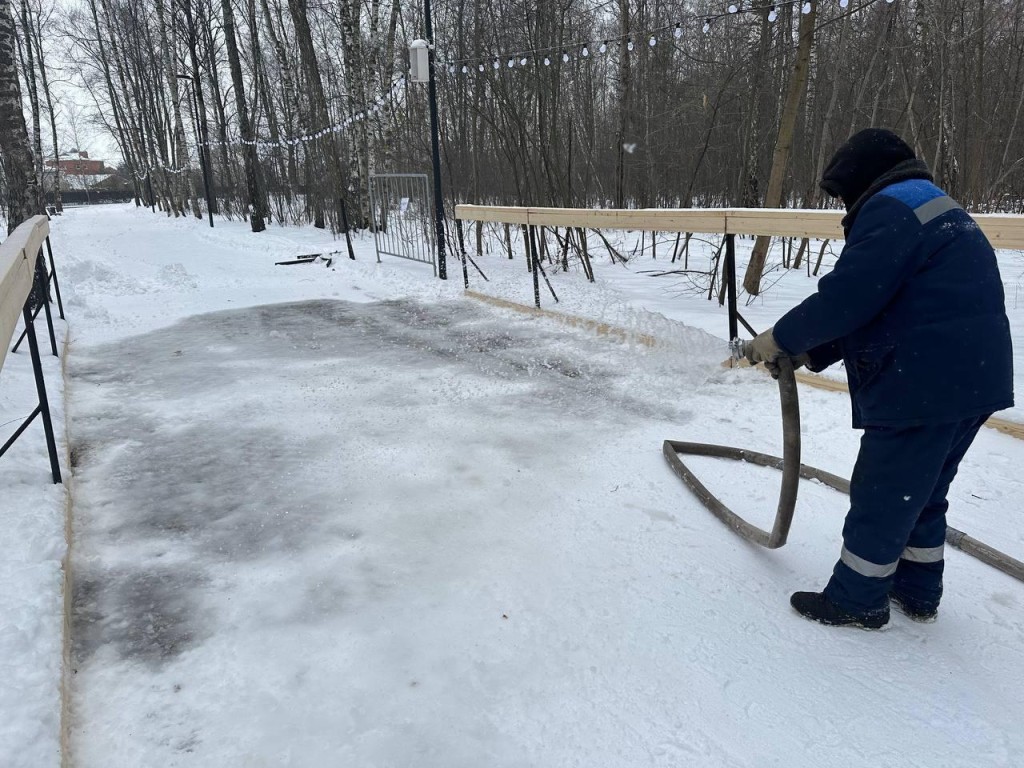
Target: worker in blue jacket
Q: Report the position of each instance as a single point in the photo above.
(914, 307)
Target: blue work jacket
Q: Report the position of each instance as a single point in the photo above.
(915, 308)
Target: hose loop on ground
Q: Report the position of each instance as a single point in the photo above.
(792, 472)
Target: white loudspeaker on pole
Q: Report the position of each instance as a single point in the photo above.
(419, 65)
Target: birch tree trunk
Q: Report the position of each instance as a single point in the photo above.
(33, 93)
(318, 100)
(257, 208)
(23, 198)
(184, 185)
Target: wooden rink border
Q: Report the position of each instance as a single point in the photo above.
(1011, 428)
(599, 328)
(1002, 230)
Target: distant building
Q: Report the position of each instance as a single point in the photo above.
(80, 165)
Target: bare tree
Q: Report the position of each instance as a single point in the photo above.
(23, 191)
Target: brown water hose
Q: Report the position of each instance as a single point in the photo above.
(792, 471)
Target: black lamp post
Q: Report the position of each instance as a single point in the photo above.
(435, 141)
(200, 136)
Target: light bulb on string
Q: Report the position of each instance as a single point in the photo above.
(451, 69)
(547, 61)
(603, 48)
(511, 63)
(585, 52)
(653, 41)
(481, 67)
(523, 61)
(844, 3)
(773, 14)
(565, 57)
(629, 44)
(707, 26)
(733, 9)
(497, 64)
(678, 31)
(465, 69)
(806, 9)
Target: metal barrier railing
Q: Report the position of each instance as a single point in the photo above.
(403, 223)
(25, 288)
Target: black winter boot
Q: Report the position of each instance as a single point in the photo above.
(816, 607)
(917, 610)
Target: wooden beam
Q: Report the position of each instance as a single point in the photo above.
(1003, 230)
(601, 329)
(824, 225)
(17, 270)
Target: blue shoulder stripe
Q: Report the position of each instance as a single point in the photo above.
(913, 193)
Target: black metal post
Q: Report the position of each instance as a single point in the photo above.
(462, 251)
(53, 275)
(435, 143)
(40, 297)
(535, 264)
(203, 159)
(344, 225)
(44, 405)
(730, 277)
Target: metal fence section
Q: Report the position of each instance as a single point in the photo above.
(403, 221)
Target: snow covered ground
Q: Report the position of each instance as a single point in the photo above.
(345, 516)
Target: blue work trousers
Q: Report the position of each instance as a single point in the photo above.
(895, 530)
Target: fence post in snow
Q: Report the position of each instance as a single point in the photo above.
(21, 283)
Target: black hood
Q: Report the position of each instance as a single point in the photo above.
(864, 157)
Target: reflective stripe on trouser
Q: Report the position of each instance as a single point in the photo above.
(896, 526)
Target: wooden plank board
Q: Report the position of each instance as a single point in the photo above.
(17, 268)
(601, 329)
(825, 225)
(498, 214)
(1003, 230)
(647, 220)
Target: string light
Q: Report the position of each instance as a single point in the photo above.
(585, 49)
(296, 140)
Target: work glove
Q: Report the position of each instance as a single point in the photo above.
(763, 349)
(798, 362)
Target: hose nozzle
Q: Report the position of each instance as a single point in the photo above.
(738, 348)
